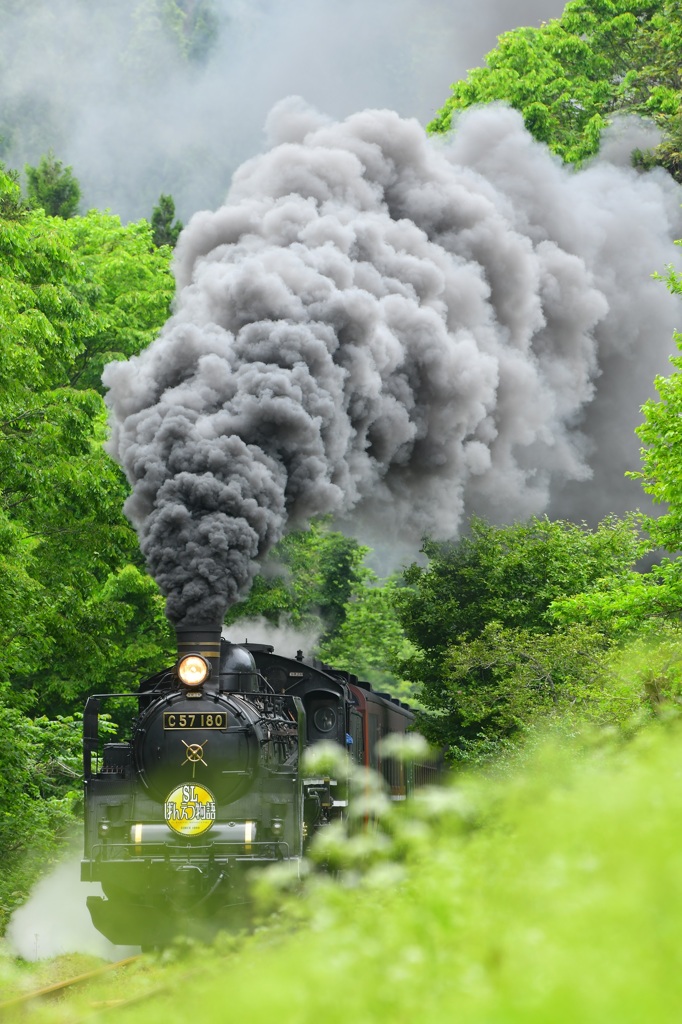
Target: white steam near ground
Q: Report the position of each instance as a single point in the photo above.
(399, 331)
(106, 88)
(55, 919)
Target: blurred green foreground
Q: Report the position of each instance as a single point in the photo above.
(551, 894)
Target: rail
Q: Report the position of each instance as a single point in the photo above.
(59, 986)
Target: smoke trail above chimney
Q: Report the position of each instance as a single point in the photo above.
(375, 324)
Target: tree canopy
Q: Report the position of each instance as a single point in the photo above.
(661, 432)
(370, 641)
(188, 27)
(39, 783)
(165, 229)
(53, 187)
(574, 74)
(310, 577)
(73, 294)
(491, 657)
(77, 611)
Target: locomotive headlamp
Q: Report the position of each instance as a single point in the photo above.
(193, 670)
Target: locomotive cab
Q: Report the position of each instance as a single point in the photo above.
(323, 691)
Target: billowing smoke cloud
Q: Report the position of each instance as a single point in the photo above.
(384, 327)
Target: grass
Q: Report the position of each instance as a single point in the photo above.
(552, 894)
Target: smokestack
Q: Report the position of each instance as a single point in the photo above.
(204, 640)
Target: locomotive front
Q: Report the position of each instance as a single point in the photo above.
(207, 786)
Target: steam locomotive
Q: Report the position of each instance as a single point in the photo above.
(210, 783)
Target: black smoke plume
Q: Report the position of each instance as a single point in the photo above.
(382, 326)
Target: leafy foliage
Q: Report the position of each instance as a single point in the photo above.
(491, 657)
(53, 187)
(39, 785)
(73, 294)
(370, 641)
(661, 433)
(629, 605)
(312, 575)
(11, 201)
(317, 581)
(571, 76)
(164, 230)
(505, 680)
(187, 27)
(509, 574)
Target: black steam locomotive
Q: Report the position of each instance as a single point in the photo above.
(210, 784)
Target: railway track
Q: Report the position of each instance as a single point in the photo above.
(62, 986)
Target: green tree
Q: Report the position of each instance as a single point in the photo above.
(165, 30)
(313, 575)
(631, 605)
(571, 76)
(370, 641)
(199, 28)
(661, 432)
(497, 685)
(124, 289)
(39, 786)
(53, 187)
(164, 230)
(639, 613)
(317, 580)
(491, 657)
(11, 202)
(73, 294)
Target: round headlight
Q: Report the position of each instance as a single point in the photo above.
(193, 670)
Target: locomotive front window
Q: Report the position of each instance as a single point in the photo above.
(325, 719)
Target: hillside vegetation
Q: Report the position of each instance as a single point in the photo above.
(575, 74)
(500, 635)
(550, 892)
(550, 895)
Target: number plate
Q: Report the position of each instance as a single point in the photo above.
(195, 720)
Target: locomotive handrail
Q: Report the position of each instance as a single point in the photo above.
(91, 727)
(269, 687)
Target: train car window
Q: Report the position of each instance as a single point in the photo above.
(358, 747)
(374, 736)
(277, 677)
